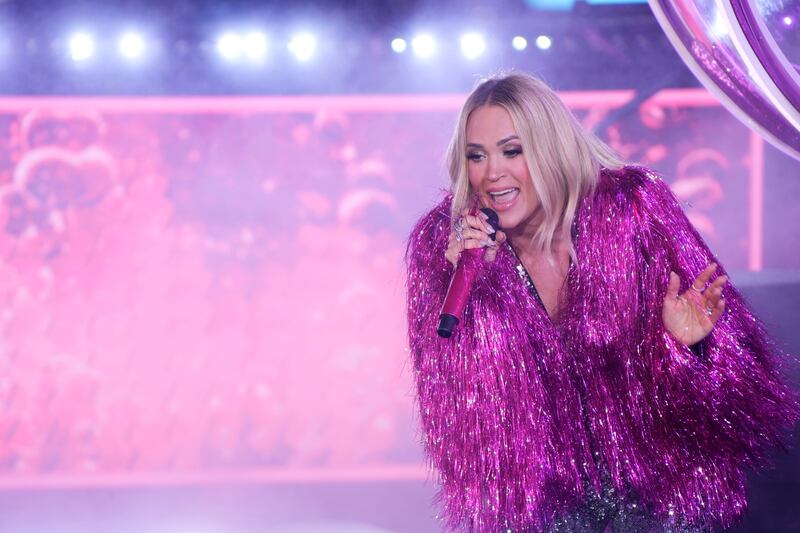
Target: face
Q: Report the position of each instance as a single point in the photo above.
(497, 169)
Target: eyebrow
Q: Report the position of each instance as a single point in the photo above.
(501, 142)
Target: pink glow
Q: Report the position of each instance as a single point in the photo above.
(303, 104)
(210, 290)
(219, 477)
(755, 259)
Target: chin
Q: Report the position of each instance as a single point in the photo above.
(509, 221)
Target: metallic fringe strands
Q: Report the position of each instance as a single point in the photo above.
(530, 421)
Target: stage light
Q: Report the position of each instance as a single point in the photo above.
(131, 45)
(229, 46)
(472, 45)
(303, 46)
(543, 42)
(255, 45)
(399, 45)
(81, 47)
(424, 45)
(519, 43)
(788, 21)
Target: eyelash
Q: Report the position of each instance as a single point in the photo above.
(510, 153)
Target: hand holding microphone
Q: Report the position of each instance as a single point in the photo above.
(473, 231)
(474, 239)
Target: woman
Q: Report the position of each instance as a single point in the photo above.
(605, 375)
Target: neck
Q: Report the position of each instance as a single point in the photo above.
(521, 239)
(521, 236)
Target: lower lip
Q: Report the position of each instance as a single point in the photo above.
(504, 206)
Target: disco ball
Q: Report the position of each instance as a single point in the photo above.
(747, 53)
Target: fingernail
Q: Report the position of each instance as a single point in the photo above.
(484, 215)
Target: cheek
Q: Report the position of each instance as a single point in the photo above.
(474, 176)
(520, 167)
(524, 177)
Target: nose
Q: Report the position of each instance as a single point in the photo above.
(495, 168)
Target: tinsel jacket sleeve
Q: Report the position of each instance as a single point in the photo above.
(515, 405)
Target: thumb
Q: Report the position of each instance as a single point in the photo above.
(673, 286)
(500, 237)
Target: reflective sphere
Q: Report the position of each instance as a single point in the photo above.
(745, 52)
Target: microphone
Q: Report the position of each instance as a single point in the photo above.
(469, 262)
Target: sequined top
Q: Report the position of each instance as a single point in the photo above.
(527, 420)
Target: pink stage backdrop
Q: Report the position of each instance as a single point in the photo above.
(212, 289)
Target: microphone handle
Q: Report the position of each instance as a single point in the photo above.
(469, 262)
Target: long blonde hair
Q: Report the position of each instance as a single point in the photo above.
(564, 160)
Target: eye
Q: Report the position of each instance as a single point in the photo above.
(512, 152)
(475, 156)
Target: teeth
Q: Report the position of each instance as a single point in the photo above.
(500, 193)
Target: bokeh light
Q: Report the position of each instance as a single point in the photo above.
(472, 45)
(424, 45)
(544, 42)
(255, 45)
(81, 46)
(131, 45)
(399, 45)
(229, 45)
(303, 46)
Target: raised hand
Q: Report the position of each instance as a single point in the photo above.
(472, 231)
(690, 316)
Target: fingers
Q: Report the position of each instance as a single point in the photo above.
(474, 243)
(491, 251)
(474, 227)
(717, 311)
(673, 286)
(472, 239)
(709, 298)
(703, 278)
(454, 248)
(475, 234)
(477, 221)
(713, 292)
(470, 232)
(718, 283)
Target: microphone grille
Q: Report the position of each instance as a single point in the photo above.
(493, 220)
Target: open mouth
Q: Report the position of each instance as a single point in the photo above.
(505, 196)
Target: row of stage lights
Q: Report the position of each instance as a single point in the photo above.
(255, 46)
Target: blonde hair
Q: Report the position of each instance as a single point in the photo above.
(564, 160)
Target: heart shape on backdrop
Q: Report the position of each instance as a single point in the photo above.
(59, 178)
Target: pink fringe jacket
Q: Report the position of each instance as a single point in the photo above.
(514, 404)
